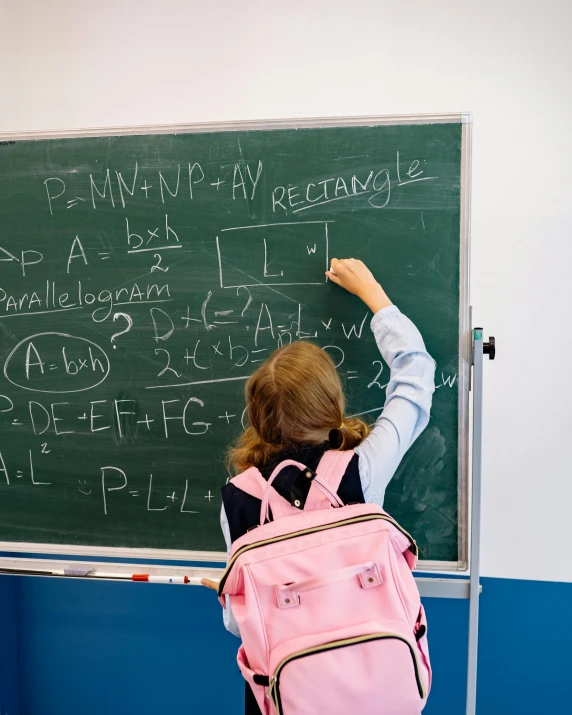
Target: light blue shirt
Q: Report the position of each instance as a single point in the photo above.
(403, 417)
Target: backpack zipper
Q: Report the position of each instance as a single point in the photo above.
(312, 530)
(274, 687)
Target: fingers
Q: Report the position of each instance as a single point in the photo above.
(332, 273)
(354, 276)
(341, 268)
(209, 584)
(340, 264)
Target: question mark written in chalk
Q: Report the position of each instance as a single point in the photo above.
(121, 332)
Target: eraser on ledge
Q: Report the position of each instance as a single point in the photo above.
(77, 571)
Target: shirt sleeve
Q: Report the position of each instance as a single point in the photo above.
(227, 615)
(407, 405)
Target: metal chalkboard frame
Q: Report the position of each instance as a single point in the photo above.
(465, 336)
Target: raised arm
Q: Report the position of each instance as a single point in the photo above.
(409, 390)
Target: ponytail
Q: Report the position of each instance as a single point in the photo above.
(352, 432)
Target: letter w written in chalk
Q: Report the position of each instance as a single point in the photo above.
(357, 332)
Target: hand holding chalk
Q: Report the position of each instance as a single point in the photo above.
(356, 278)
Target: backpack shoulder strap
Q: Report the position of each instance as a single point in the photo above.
(251, 482)
(332, 467)
(330, 472)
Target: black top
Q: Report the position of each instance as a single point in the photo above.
(243, 510)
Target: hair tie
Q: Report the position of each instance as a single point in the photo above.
(335, 438)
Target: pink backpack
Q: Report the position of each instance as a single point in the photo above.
(328, 610)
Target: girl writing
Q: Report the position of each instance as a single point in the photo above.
(296, 411)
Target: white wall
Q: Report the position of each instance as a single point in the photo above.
(85, 64)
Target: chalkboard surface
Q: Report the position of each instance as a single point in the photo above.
(143, 277)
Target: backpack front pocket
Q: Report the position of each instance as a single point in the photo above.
(370, 674)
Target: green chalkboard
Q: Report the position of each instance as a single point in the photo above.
(143, 277)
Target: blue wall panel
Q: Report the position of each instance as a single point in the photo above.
(123, 648)
(447, 622)
(525, 652)
(93, 647)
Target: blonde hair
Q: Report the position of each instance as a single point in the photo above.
(295, 398)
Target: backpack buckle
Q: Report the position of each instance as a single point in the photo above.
(287, 599)
(371, 578)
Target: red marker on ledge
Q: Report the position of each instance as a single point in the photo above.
(159, 579)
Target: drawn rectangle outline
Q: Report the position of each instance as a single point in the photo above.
(270, 225)
(463, 118)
